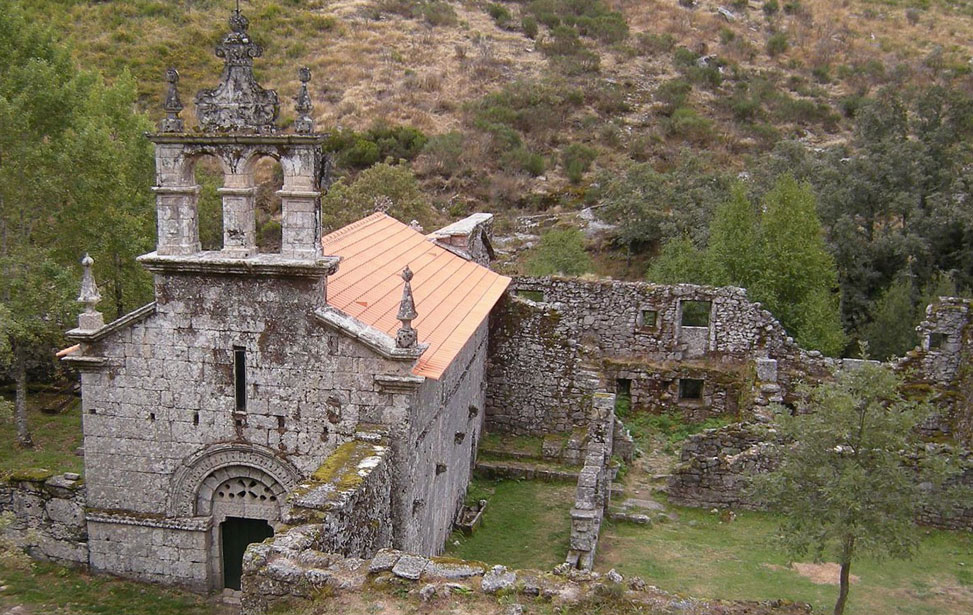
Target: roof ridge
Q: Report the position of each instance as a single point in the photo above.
(354, 226)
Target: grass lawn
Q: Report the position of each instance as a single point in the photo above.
(47, 588)
(700, 556)
(527, 524)
(56, 437)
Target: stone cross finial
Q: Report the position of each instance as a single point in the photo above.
(173, 105)
(90, 319)
(304, 124)
(237, 103)
(407, 337)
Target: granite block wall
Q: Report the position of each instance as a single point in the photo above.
(46, 516)
(437, 450)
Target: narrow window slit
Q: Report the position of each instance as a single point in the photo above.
(240, 377)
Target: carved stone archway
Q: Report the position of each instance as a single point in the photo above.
(202, 476)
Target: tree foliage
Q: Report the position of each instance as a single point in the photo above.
(842, 485)
(559, 252)
(74, 177)
(390, 188)
(778, 254)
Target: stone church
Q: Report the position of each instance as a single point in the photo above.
(210, 410)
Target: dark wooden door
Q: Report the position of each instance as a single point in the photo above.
(236, 533)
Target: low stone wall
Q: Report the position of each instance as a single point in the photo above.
(716, 465)
(594, 484)
(275, 575)
(346, 506)
(48, 516)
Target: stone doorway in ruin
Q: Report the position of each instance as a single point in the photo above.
(236, 534)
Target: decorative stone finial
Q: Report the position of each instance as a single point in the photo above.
(90, 319)
(172, 105)
(414, 225)
(304, 124)
(406, 336)
(238, 103)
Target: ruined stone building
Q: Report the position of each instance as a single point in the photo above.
(326, 401)
(207, 408)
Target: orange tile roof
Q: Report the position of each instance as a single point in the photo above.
(453, 295)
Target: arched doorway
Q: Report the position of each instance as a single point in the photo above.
(242, 489)
(245, 505)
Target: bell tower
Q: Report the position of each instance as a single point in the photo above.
(236, 123)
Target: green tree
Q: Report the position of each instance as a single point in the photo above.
(778, 255)
(559, 252)
(681, 262)
(798, 275)
(734, 240)
(842, 486)
(74, 170)
(392, 188)
(892, 329)
(37, 303)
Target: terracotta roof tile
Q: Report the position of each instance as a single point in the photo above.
(453, 295)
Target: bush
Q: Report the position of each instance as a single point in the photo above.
(674, 94)
(445, 153)
(771, 7)
(777, 44)
(647, 43)
(683, 58)
(577, 159)
(529, 26)
(394, 184)
(500, 14)
(522, 159)
(559, 252)
(361, 150)
(686, 123)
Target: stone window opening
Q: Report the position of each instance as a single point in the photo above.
(440, 468)
(695, 313)
(691, 389)
(196, 418)
(152, 417)
(208, 175)
(937, 340)
(623, 396)
(240, 377)
(648, 319)
(459, 437)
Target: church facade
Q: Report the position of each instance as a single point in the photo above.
(205, 409)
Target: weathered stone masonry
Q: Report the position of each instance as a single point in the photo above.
(47, 516)
(547, 331)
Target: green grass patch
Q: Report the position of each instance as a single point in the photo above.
(527, 524)
(670, 427)
(704, 557)
(56, 437)
(47, 588)
(527, 445)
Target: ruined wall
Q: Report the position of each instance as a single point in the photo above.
(46, 516)
(547, 329)
(348, 499)
(436, 453)
(941, 369)
(593, 494)
(280, 576)
(715, 467)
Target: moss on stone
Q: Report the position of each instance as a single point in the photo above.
(340, 469)
(35, 475)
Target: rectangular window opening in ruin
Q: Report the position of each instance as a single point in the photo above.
(623, 396)
(937, 339)
(240, 377)
(690, 389)
(695, 313)
(648, 319)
